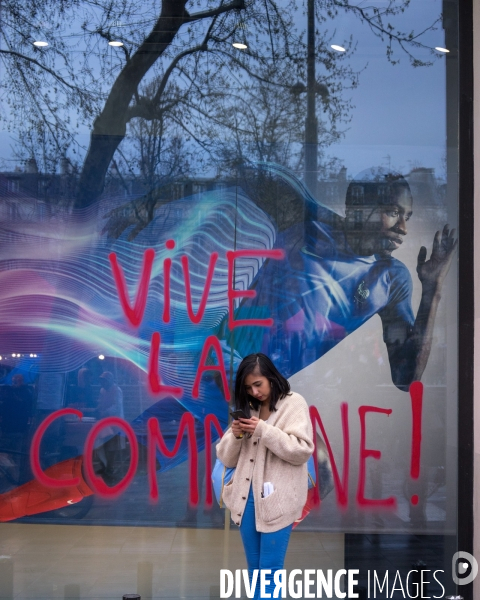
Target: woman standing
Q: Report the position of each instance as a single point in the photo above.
(272, 446)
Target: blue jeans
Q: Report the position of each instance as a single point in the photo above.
(263, 550)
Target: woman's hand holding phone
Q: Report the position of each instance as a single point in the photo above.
(249, 425)
(237, 429)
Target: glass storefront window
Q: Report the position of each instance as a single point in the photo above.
(182, 185)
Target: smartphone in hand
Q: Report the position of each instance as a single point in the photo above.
(238, 414)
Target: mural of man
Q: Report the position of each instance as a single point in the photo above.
(339, 272)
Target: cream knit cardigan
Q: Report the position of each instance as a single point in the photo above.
(277, 452)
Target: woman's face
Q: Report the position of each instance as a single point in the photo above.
(258, 386)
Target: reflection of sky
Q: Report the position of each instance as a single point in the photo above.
(399, 111)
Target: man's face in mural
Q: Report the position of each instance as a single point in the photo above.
(380, 229)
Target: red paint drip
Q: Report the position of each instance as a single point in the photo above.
(96, 483)
(210, 420)
(341, 488)
(416, 396)
(211, 343)
(196, 318)
(133, 315)
(167, 266)
(236, 294)
(35, 451)
(155, 439)
(386, 503)
(154, 381)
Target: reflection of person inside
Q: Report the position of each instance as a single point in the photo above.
(108, 455)
(110, 400)
(272, 445)
(82, 395)
(15, 419)
(337, 273)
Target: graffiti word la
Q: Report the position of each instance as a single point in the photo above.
(134, 314)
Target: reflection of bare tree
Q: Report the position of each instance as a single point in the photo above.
(155, 152)
(160, 158)
(263, 120)
(187, 52)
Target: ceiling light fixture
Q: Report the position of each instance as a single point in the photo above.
(40, 44)
(440, 49)
(115, 44)
(338, 48)
(101, 357)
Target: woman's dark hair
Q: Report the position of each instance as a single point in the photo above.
(261, 363)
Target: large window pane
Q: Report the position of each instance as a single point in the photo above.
(181, 187)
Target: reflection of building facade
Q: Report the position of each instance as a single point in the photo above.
(26, 194)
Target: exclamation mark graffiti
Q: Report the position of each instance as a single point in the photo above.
(416, 395)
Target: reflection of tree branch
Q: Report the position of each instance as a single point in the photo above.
(376, 24)
(178, 58)
(115, 166)
(215, 12)
(171, 67)
(200, 142)
(110, 125)
(39, 108)
(245, 68)
(106, 36)
(34, 98)
(43, 67)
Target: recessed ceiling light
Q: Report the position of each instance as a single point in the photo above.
(338, 48)
(239, 46)
(116, 44)
(440, 49)
(101, 357)
(40, 44)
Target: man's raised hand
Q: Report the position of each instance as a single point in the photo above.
(432, 272)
